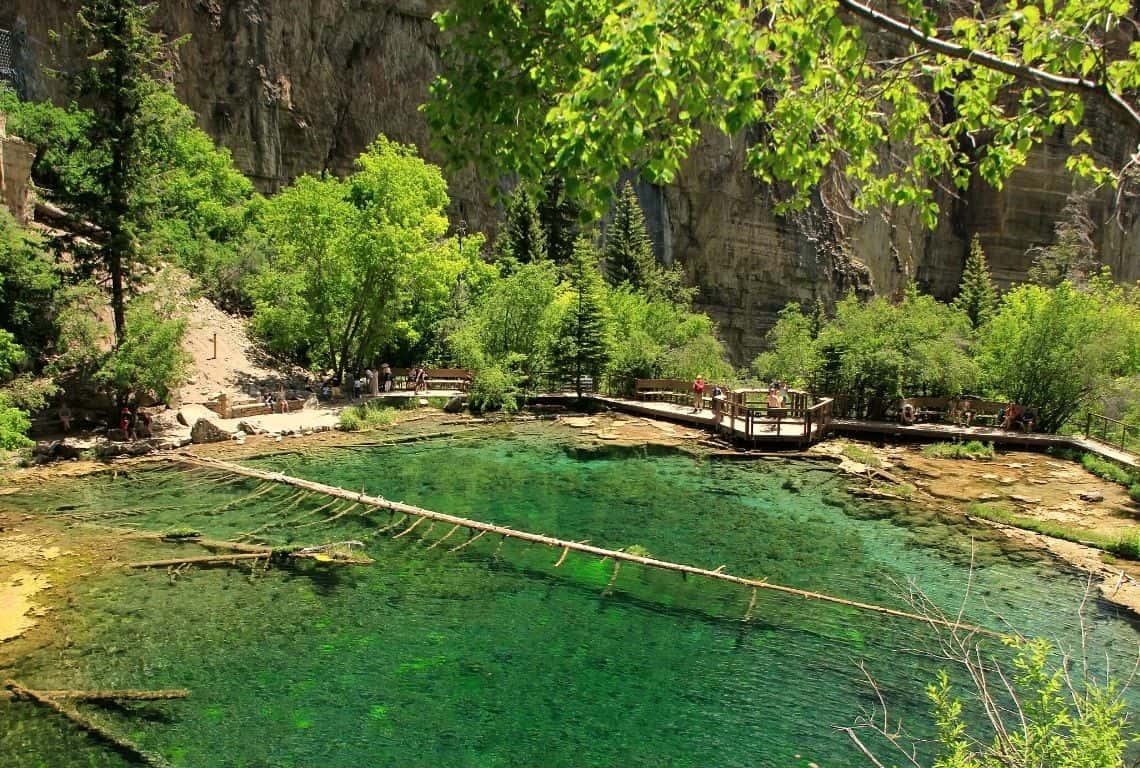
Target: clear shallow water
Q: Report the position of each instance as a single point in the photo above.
(492, 657)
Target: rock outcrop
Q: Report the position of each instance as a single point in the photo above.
(16, 158)
(206, 431)
(295, 87)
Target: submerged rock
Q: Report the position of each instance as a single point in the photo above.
(455, 404)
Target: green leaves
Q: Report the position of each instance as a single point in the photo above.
(589, 89)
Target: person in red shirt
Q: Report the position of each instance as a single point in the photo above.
(698, 394)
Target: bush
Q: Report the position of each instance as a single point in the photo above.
(14, 426)
(971, 450)
(1108, 470)
(350, 420)
(368, 416)
(492, 390)
(1134, 492)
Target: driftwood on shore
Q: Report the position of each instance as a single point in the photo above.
(504, 532)
(122, 744)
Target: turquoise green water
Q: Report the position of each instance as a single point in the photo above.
(490, 656)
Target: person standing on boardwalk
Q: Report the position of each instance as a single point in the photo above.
(698, 394)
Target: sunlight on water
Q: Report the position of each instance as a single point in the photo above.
(491, 656)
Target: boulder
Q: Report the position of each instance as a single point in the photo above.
(455, 404)
(250, 428)
(1091, 496)
(190, 413)
(206, 431)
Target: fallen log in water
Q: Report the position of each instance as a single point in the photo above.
(128, 694)
(118, 742)
(197, 560)
(550, 541)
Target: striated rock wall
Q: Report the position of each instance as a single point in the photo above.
(293, 87)
(16, 158)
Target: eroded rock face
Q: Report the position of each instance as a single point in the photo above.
(296, 87)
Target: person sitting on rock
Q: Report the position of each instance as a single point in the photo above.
(144, 421)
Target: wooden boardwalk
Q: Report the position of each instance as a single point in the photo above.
(789, 432)
(1033, 441)
(739, 425)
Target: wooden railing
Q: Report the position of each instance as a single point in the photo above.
(819, 415)
(748, 409)
(1101, 427)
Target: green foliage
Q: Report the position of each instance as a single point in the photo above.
(654, 338)
(628, 251)
(150, 357)
(862, 455)
(512, 324)
(591, 89)
(11, 355)
(1056, 348)
(350, 420)
(973, 449)
(582, 344)
(793, 357)
(361, 266)
(523, 240)
(1107, 470)
(977, 294)
(494, 389)
(127, 70)
(367, 416)
(29, 284)
(1124, 546)
(559, 217)
(1064, 726)
(873, 353)
(1134, 492)
(67, 161)
(14, 426)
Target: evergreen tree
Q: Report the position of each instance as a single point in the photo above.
(581, 347)
(1073, 254)
(522, 239)
(977, 295)
(559, 218)
(628, 250)
(125, 68)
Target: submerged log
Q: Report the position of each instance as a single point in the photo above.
(121, 695)
(120, 743)
(198, 560)
(550, 541)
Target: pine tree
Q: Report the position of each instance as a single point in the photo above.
(1073, 254)
(628, 250)
(581, 347)
(125, 67)
(559, 218)
(977, 295)
(522, 239)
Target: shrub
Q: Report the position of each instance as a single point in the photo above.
(1106, 469)
(14, 426)
(974, 449)
(493, 389)
(1134, 492)
(350, 420)
(862, 455)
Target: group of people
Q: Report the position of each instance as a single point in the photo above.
(277, 402)
(716, 393)
(134, 423)
(777, 394)
(374, 382)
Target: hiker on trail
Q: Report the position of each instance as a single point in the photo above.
(282, 399)
(357, 387)
(698, 394)
(421, 378)
(386, 375)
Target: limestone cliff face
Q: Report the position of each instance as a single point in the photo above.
(292, 86)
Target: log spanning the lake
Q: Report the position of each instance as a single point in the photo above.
(576, 546)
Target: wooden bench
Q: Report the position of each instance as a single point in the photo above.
(928, 408)
(247, 408)
(662, 390)
(441, 378)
